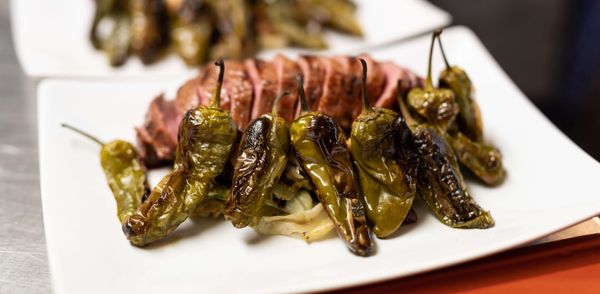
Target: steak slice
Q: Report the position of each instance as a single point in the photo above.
(237, 86)
(393, 74)
(286, 81)
(187, 96)
(264, 80)
(157, 138)
(313, 71)
(397, 75)
(337, 96)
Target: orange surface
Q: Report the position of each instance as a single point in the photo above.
(567, 266)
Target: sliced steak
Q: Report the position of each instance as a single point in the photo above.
(393, 74)
(157, 138)
(264, 80)
(337, 96)
(397, 75)
(238, 88)
(313, 71)
(187, 96)
(286, 81)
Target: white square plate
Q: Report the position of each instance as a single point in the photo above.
(551, 184)
(51, 36)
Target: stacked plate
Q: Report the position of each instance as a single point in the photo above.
(550, 184)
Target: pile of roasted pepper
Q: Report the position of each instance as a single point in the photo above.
(271, 176)
(198, 30)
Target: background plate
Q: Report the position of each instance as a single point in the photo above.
(51, 36)
(551, 184)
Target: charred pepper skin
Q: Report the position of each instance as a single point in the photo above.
(117, 44)
(262, 158)
(124, 173)
(456, 79)
(320, 146)
(386, 160)
(436, 105)
(483, 160)
(149, 29)
(206, 136)
(191, 29)
(441, 184)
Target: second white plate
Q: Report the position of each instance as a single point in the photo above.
(51, 36)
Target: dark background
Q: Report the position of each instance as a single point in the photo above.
(551, 49)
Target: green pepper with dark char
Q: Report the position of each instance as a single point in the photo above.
(386, 161)
(149, 29)
(483, 160)
(320, 146)
(191, 30)
(262, 158)
(441, 184)
(436, 105)
(456, 79)
(124, 173)
(234, 30)
(118, 42)
(281, 15)
(206, 137)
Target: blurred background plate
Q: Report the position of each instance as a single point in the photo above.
(51, 36)
(551, 185)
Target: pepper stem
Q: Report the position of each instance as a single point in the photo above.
(363, 87)
(87, 135)
(303, 103)
(216, 102)
(439, 38)
(276, 102)
(403, 108)
(429, 84)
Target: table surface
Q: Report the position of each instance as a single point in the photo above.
(23, 260)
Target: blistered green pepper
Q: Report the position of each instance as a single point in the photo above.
(339, 14)
(483, 160)
(436, 105)
(234, 29)
(386, 161)
(206, 137)
(149, 29)
(191, 30)
(262, 158)
(441, 184)
(116, 44)
(320, 146)
(124, 173)
(456, 79)
(280, 15)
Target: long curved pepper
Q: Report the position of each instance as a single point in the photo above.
(441, 184)
(320, 147)
(124, 173)
(262, 159)
(436, 105)
(386, 160)
(206, 136)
